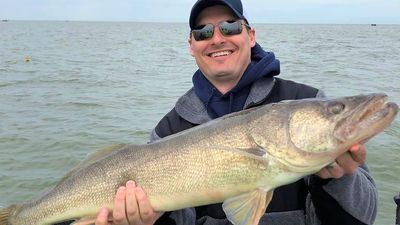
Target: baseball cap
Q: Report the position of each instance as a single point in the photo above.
(235, 5)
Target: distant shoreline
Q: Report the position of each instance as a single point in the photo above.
(175, 22)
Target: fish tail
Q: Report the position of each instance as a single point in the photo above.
(6, 213)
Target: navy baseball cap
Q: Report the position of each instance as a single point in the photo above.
(235, 5)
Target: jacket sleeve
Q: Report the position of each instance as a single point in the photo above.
(154, 136)
(351, 199)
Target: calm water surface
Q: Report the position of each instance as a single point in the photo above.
(89, 85)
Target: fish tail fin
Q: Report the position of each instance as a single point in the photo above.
(5, 214)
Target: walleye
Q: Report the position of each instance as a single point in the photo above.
(238, 159)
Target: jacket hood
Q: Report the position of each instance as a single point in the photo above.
(263, 64)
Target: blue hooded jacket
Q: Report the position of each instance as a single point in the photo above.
(263, 64)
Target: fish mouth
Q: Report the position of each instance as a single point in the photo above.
(367, 120)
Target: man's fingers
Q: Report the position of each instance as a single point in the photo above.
(335, 171)
(119, 212)
(331, 171)
(355, 147)
(132, 209)
(102, 217)
(347, 163)
(324, 173)
(358, 153)
(145, 209)
(131, 206)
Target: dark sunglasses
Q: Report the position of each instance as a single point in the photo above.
(227, 28)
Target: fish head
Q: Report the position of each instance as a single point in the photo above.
(314, 132)
(363, 117)
(324, 129)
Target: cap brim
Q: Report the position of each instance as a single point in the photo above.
(201, 5)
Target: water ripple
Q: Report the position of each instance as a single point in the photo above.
(89, 85)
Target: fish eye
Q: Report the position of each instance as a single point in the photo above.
(336, 108)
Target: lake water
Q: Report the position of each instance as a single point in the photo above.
(70, 88)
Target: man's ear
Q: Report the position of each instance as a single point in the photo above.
(252, 35)
(190, 46)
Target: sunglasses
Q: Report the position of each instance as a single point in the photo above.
(227, 28)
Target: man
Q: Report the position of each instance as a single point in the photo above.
(235, 73)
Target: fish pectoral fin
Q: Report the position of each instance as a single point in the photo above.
(256, 153)
(85, 221)
(248, 208)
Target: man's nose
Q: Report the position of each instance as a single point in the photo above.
(218, 37)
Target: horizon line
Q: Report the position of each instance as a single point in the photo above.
(138, 21)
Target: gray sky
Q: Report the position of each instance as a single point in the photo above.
(258, 11)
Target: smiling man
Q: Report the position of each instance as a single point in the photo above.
(222, 61)
(235, 73)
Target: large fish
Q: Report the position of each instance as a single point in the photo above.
(238, 159)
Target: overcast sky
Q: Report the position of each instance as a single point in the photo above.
(259, 11)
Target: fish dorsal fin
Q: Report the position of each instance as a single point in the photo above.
(100, 154)
(93, 157)
(248, 208)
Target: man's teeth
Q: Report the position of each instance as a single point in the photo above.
(223, 53)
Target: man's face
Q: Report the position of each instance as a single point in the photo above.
(222, 59)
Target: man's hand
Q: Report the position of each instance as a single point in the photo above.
(131, 207)
(346, 163)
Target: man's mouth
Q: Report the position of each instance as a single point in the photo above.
(219, 54)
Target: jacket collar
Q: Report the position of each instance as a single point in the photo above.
(192, 109)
